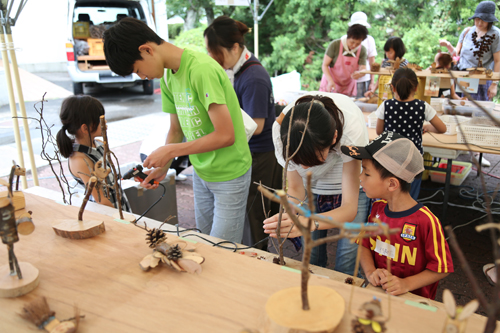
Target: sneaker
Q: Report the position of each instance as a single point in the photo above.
(180, 177)
(484, 161)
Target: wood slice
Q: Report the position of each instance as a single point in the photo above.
(18, 200)
(75, 229)
(11, 286)
(284, 310)
(126, 217)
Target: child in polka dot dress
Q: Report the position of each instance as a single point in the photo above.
(406, 115)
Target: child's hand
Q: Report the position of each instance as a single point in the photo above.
(376, 276)
(394, 285)
(369, 94)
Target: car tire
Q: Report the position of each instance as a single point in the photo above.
(148, 86)
(77, 88)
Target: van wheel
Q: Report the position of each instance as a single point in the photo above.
(148, 86)
(78, 88)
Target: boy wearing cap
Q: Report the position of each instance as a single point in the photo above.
(420, 254)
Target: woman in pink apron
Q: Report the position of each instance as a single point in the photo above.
(348, 58)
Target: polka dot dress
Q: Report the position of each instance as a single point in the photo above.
(405, 118)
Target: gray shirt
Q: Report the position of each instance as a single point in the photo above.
(467, 59)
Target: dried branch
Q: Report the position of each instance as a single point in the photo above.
(90, 188)
(49, 140)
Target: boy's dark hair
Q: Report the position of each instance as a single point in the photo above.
(122, 41)
(384, 174)
(405, 82)
(224, 32)
(357, 32)
(323, 122)
(397, 45)
(76, 111)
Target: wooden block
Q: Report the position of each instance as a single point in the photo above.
(96, 46)
(75, 229)
(18, 201)
(284, 309)
(12, 286)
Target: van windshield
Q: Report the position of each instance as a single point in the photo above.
(99, 15)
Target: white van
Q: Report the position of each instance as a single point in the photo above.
(87, 20)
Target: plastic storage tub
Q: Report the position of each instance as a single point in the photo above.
(451, 123)
(459, 171)
(480, 131)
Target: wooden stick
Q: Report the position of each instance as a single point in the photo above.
(90, 188)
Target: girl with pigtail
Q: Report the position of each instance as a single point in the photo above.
(80, 117)
(405, 115)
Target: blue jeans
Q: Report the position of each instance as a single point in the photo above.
(345, 258)
(219, 207)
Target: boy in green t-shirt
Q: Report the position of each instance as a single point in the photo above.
(204, 108)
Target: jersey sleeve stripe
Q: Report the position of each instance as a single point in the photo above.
(434, 238)
(443, 244)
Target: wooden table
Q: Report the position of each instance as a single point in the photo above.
(444, 146)
(102, 276)
(457, 74)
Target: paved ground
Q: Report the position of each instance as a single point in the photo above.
(477, 247)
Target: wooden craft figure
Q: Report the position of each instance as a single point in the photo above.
(16, 196)
(375, 67)
(12, 281)
(370, 318)
(80, 229)
(456, 322)
(39, 313)
(414, 67)
(395, 63)
(177, 254)
(284, 307)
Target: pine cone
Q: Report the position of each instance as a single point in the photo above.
(155, 237)
(174, 253)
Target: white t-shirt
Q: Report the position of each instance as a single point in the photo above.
(327, 177)
(371, 51)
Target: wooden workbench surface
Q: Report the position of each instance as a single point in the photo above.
(427, 72)
(102, 276)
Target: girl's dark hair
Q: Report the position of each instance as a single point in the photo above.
(76, 111)
(224, 32)
(405, 82)
(444, 60)
(357, 32)
(397, 45)
(325, 118)
(490, 24)
(384, 174)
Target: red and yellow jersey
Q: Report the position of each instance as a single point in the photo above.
(419, 245)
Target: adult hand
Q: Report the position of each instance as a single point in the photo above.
(492, 91)
(330, 87)
(159, 157)
(271, 226)
(376, 276)
(373, 87)
(444, 42)
(157, 174)
(369, 94)
(394, 285)
(357, 75)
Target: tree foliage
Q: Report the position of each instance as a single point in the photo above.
(291, 29)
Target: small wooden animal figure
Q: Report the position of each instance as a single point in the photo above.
(39, 313)
(433, 67)
(371, 319)
(16, 196)
(414, 67)
(457, 315)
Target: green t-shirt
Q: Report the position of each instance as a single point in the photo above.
(333, 52)
(199, 82)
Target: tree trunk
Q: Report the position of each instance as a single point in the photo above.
(191, 18)
(209, 12)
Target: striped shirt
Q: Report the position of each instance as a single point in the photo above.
(327, 177)
(420, 245)
(96, 154)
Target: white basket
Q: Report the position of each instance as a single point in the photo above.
(372, 120)
(437, 103)
(469, 104)
(480, 131)
(451, 123)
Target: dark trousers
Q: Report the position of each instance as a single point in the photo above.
(267, 170)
